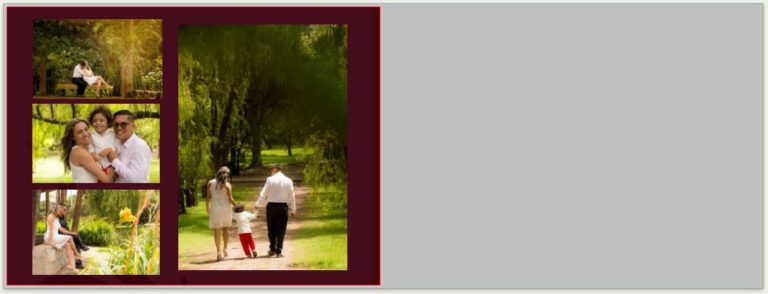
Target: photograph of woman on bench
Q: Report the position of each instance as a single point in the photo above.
(94, 58)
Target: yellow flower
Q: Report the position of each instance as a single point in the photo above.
(126, 216)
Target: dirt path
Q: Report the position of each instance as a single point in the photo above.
(99, 256)
(236, 259)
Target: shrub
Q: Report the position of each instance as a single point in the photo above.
(129, 255)
(326, 170)
(96, 232)
(40, 229)
(143, 259)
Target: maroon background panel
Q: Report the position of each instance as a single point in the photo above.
(364, 132)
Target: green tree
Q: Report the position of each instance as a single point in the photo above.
(121, 51)
(241, 84)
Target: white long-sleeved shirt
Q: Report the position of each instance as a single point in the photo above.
(278, 189)
(243, 221)
(132, 163)
(78, 72)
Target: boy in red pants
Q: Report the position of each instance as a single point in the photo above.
(243, 220)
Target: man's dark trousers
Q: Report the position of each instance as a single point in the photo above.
(75, 238)
(81, 85)
(277, 222)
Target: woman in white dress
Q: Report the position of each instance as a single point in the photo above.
(218, 204)
(93, 79)
(53, 238)
(75, 156)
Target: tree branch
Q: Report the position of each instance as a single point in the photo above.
(137, 115)
(146, 114)
(48, 120)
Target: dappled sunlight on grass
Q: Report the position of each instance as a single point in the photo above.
(280, 155)
(322, 241)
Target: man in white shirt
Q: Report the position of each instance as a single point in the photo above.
(132, 163)
(279, 198)
(77, 78)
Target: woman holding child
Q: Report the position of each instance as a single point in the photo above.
(75, 146)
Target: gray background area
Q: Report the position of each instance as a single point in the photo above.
(572, 146)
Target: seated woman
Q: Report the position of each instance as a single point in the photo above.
(92, 79)
(58, 241)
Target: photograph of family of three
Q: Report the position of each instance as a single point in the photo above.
(92, 143)
(112, 58)
(263, 151)
(96, 232)
(74, 140)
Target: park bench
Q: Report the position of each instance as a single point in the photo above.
(144, 94)
(69, 89)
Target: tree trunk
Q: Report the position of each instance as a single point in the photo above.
(190, 195)
(222, 146)
(43, 73)
(78, 210)
(255, 145)
(126, 67)
(212, 133)
(234, 154)
(182, 201)
(47, 201)
(288, 144)
(35, 207)
(62, 197)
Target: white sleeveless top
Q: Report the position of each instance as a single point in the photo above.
(79, 173)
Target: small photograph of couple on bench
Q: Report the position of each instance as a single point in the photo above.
(263, 151)
(96, 232)
(110, 58)
(91, 143)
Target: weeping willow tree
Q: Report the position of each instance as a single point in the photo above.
(125, 52)
(49, 120)
(240, 84)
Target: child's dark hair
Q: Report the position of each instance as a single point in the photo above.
(103, 111)
(239, 208)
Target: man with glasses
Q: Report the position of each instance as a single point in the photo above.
(133, 159)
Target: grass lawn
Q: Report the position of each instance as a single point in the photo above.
(322, 241)
(51, 170)
(280, 155)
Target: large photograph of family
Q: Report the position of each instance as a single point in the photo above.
(96, 232)
(113, 58)
(263, 147)
(85, 143)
